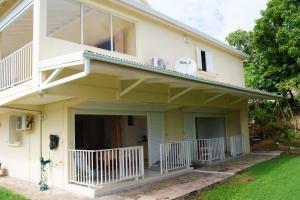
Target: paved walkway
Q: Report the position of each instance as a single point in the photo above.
(167, 189)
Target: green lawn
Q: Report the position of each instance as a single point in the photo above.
(8, 195)
(276, 179)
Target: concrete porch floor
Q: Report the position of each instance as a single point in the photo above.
(170, 188)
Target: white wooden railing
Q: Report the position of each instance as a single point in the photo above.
(208, 150)
(97, 167)
(175, 155)
(16, 68)
(236, 145)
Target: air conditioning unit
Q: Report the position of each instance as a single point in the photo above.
(159, 62)
(24, 122)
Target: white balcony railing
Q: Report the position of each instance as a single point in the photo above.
(236, 145)
(208, 150)
(175, 155)
(97, 167)
(16, 68)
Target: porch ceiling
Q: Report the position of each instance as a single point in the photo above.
(6, 5)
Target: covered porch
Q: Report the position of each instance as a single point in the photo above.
(115, 142)
(188, 118)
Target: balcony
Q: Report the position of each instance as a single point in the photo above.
(16, 68)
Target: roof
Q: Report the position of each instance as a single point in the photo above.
(146, 67)
(146, 9)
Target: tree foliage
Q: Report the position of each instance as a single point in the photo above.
(240, 39)
(273, 47)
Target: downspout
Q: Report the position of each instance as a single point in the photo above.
(47, 85)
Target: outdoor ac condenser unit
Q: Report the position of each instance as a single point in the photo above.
(24, 122)
(159, 62)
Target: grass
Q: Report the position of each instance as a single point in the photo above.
(275, 179)
(8, 195)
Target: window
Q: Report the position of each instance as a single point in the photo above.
(14, 137)
(205, 60)
(98, 29)
(63, 20)
(123, 36)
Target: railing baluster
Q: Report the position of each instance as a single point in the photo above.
(114, 165)
(16, 68)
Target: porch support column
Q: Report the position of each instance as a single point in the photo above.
(245, 129)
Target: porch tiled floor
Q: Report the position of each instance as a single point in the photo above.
(166, 189)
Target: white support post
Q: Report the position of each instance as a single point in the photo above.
(54, 74)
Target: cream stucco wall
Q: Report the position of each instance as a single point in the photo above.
(20, 161)
(174, 125)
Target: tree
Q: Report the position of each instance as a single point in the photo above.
(273, 47)
(240, 39)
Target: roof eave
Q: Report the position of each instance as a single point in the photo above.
(148, 10)
(262, 94)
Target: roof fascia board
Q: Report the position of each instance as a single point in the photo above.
(254, 92)
(15, 13)
(186, 28)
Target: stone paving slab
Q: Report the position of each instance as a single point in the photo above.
(167, 189)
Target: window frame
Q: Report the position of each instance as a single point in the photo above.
(12, 125)
(209, 66)
(103, 10)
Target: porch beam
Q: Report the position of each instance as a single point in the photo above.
(54, 74)
(183, 92)
(15, 13)
(214, 97)
(131, 87)
(238, 100)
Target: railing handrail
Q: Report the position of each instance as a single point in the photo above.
(210, 138)
(119, 148)
(17, 51)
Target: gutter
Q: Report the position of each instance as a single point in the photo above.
(135, 65)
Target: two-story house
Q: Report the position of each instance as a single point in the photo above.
(114, 93)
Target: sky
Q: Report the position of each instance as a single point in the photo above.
(215, 17)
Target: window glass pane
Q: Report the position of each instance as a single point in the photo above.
(96, 28)
(63, 20)
(124, 36)
(203, 59)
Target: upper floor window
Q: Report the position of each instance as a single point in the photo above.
(72, 21)
(204, 60)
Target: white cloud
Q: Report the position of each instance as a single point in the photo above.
(215, 17)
